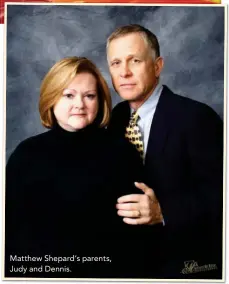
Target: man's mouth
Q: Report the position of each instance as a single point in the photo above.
(127, 85)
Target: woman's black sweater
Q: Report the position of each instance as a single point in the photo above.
(61, 192)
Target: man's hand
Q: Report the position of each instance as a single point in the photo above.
(138, 209)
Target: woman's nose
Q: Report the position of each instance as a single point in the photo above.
(78, 101)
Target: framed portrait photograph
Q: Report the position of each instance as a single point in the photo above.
(114, 142)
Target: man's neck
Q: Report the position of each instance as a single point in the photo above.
(137, 104)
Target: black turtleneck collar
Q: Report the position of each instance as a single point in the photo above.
(86, 133)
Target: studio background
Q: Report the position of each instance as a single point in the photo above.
(191, 41)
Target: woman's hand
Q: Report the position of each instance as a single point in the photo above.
(138, 209)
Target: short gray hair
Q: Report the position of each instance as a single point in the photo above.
(149, 37)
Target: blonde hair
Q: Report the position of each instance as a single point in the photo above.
(59, 77)
(150, 38)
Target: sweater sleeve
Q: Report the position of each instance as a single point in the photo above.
(15, 187)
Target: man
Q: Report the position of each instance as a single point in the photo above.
(181, 143)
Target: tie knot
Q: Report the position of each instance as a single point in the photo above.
(134, 117)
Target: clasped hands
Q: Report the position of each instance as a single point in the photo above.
(138, 209)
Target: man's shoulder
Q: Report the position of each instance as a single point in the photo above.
(180, 99)
(185, 106)
(171, 105)
(169, 97)
(120, 107)
(119, 116)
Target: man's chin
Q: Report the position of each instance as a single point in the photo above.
(128, 96)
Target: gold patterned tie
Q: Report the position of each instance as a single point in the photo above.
(133, 133)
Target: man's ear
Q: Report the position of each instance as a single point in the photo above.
(159, 63)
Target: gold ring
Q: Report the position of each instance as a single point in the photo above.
(139, 213)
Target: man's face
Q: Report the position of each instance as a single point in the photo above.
(133, 71)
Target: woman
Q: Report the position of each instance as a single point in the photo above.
(62, 185)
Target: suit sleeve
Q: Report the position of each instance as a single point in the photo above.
(205, 148)
(199, 204)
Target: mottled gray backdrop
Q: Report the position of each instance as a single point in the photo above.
(191, 40)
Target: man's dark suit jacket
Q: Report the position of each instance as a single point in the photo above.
(184, 167)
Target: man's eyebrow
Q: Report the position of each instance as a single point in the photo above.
(129, 56)
(115, 58)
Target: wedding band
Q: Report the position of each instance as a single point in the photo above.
(139, 213)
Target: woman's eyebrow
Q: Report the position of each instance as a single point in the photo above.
(68, 90)
(91, 90)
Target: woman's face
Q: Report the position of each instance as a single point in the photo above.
(78, 106)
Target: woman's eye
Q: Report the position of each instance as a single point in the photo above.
(69, 96)
(90, 96)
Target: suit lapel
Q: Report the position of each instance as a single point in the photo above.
(159, 126)
(159, 129)
(125, 114)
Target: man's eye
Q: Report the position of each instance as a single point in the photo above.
(115, 63)
(136, 60)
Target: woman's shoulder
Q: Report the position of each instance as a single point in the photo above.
(29, 146)
(33, 141)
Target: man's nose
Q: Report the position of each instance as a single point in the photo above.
(78, 101)
(125, 70)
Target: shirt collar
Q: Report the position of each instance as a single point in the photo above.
(151, 103)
